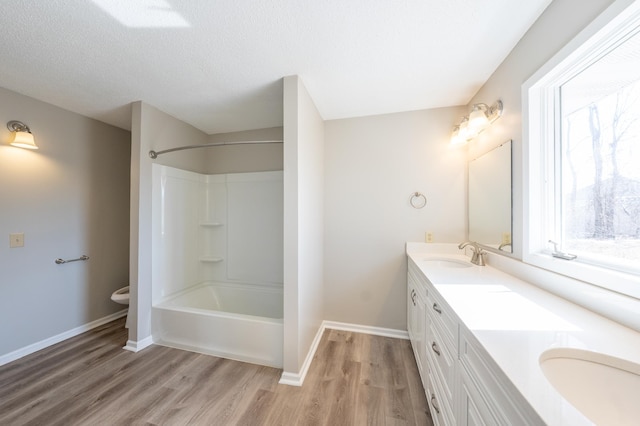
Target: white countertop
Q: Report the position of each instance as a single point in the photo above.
(516, 321)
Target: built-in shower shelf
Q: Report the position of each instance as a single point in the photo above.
(211, 259)
(211, 224)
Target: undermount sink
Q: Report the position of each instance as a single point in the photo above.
(446, 263)
(602, 387)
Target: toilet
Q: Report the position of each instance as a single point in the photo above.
(121, 296)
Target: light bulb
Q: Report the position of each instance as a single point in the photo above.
(23, 140)
(478, 120)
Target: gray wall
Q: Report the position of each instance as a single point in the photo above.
(151, 129)
(372, 166)
(556, 27)
(71, 197)
(559, 23)
(303, 225)
(162, 131)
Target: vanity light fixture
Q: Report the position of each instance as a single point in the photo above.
(456, 137)
(480, 117)
(21, 135)
(465, 130)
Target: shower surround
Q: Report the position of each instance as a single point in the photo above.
(218, 263)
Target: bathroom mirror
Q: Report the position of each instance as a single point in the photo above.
(490, 221)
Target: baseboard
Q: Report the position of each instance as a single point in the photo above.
(297, 379)
(138, 345)
(27, 350)
(366, 329)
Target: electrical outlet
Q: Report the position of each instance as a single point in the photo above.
(428, 237)
(16, 240)
(506, 238)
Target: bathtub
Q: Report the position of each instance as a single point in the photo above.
(236, 321)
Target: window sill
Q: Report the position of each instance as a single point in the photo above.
(620, 282)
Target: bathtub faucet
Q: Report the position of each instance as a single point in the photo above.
(478, 253)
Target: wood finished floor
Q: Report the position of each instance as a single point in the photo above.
(355, 379)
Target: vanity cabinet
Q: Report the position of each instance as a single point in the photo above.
(416, 321)
(433, 335)
(441, 347)
(485, 393)
(473, 410)
(463, 384)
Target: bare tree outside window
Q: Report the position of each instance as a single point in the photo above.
(600, 162)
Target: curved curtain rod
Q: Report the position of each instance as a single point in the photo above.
(154, 154)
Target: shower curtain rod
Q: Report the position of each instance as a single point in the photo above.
(154, 154)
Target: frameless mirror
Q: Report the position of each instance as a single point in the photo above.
(490, 198)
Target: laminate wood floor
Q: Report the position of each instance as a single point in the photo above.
(355, 379)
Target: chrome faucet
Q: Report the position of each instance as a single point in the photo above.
(503, 245)
(478, 253)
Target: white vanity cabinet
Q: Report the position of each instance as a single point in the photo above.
(416, 320)
(462, 383)
(433, 335)
(486, 395)
(473, 410)
(442, 352)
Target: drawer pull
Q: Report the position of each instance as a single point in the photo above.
(435, 348)
(437, 308)
(434, 403)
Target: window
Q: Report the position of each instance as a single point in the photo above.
(582, 185)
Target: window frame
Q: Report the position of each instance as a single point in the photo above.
(541, 112)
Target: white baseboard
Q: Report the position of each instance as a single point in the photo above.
(366, 329)
(27, 350)
(297, 379)
(138, 345)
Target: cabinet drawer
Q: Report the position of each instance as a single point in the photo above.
(439, 407)
(443, 319)
(473, 408)
(414, 274)
(502, 398)
(443, 362)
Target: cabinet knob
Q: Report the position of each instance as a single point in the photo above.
(434, 403)
(435, 348)
(437, 308)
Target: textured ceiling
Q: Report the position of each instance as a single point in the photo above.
(218, 64)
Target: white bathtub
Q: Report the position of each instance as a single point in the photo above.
(236, 321)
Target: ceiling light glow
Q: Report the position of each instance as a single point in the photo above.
(143, 13)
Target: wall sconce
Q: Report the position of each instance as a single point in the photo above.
(480, 117)
(21, 136)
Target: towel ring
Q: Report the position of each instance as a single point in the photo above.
(417, 200)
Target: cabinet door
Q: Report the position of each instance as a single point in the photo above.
(473, 410)
(421, 341)
(494, 391)
(416, 325)
(411, 309)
